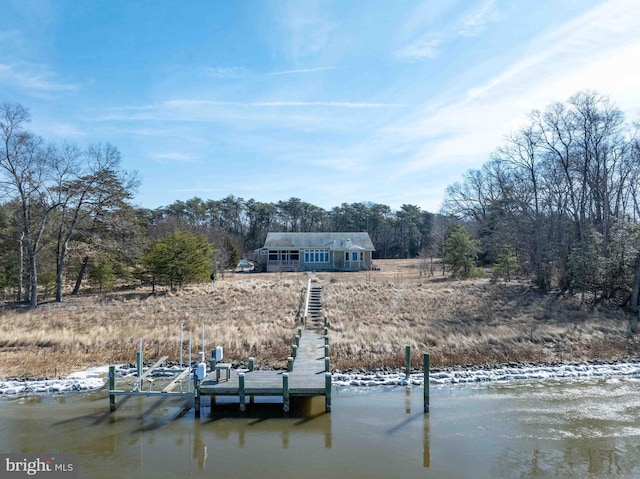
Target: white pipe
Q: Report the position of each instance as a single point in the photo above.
(181, 346)
(189, 381)
(140, 366)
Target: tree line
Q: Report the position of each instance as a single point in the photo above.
(66, 218)
(558, 203)
(562, 196)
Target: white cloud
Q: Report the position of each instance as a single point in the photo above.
(420, 49)
(227, 72)
(173, 157)
(308, 28)
(54, 129)
(301, 70)
(595, 51)
(34, 78)
(432, 44)
(477, 21)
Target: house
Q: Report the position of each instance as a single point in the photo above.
(315, 252)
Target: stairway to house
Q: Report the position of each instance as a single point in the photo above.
(314, 306)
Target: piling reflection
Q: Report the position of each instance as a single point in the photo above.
(200, 450)
(529, 431)
(306, 416)
(426, 442)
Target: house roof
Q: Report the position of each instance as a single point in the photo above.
(333, 241)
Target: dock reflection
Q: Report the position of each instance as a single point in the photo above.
(307, 417)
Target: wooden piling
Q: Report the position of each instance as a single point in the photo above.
(112, 386)
(294, 351)
(407, 360)
(241, 391)
(327, 368)
(327, 392)
(326, 339)
(285, 392)
(196, 395)
(289, 364)
(426, 368)
(251, 361)
(326, 350)
(297, 338)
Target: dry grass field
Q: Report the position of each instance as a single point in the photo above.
(372, 315)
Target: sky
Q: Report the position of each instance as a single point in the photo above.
(331, 102)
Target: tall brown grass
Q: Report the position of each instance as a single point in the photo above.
(372, 315)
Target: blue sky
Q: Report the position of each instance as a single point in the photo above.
(331, 102)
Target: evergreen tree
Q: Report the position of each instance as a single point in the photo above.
(179, 259)
(461, 252)
(506, 265)
(102, 274)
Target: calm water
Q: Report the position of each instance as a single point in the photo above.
(523, 430)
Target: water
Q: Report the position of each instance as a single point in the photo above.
(512, 430)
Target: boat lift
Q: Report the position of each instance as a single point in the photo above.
(185, 373)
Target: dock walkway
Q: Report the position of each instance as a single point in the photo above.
(308, 377)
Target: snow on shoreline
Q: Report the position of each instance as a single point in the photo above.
(95, 378)
(500, 373)
(92, 378)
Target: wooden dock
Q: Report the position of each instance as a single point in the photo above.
(307, 371)
(307, 375)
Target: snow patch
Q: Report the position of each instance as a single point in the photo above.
(95, 378)
(564, 371)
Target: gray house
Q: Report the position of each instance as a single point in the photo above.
(315, 252)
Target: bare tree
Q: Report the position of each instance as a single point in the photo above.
(97, 187)
(30, 172)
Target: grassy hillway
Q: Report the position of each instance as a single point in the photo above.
(373, 315)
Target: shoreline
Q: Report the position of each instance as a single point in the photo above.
(94, 379)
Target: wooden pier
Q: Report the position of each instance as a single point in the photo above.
(307, 375)
(308, 371)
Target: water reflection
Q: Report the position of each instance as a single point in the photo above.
(525, 430)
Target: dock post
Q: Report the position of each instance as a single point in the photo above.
(327, 368)
(326, 321)
(326, 350)
(290, 364)
(196, 396)
(297, 340)
(285, 392)
(112, 386)
(326, 339)
(407, 360)
(299, 331)
(294, 351)
(241, 392)
(426, 365)
(325, 331)
(327, 392)
(139, 369)
(251, 361)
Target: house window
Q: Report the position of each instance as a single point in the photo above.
(354, 256)
(316, 256)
